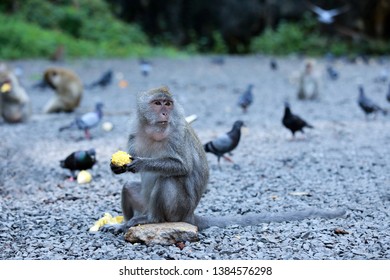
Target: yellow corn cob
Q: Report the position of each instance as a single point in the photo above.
(120, 158)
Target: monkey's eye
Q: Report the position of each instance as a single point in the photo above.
(168, 103)
(158, 103)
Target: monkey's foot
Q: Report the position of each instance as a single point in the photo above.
(115, 229)
(139, 220)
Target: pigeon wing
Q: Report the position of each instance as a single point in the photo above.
(223, 143)
(88, 120)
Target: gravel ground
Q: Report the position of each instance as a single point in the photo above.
(343, 162)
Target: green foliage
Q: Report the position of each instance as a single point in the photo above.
(288, 38)
(22, 40)
(303, 37)
(89, 19)
(219, 43)
(25, 40)
(85, 28)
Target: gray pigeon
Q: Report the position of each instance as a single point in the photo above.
(87, 121)
(105, 80)
(367, 105)
(225, 143)
(246, 98)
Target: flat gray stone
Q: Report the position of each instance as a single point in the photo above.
(162, 233)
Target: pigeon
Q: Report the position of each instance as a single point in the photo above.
(146, 67)
(246, 99)
(79, 160)
(333, 74)
(367, 105)
(225, 143)
(87, 121)
(273, 64)
(104, 81)
(293, 122)
(327, 16)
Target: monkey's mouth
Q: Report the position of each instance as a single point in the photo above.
(162, 123)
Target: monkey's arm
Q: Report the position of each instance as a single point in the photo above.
(168, 166)
(53, 105)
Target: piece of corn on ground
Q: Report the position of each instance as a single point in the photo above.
(107, 219)
(84, 177)
(120, 158)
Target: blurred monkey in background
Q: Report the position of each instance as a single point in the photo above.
(68, 90)
(15, 105)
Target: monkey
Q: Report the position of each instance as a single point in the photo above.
(15, 105)
(308, 82)
(59, 54)
(174, 171)
(68, 87)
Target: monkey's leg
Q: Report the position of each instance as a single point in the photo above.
(54, 105)
(169, 202)
(132, 205)
(132, 200)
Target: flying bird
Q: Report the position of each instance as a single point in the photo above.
(293, 122)
(327, 16)
(105, 80)
(367, 105)
(79, 160)
(246, 98)
(226, 142)
(87, 121)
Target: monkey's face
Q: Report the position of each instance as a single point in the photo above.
(52, 77)
(161, 109)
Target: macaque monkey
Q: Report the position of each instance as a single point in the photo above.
(68, 89)
(15, 105)
(174, 171)
(308, 82)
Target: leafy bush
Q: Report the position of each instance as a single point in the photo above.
(288, 38)
(25, 40)
(303, 37)
(22, 40)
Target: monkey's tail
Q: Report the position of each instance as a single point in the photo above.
(256, 219)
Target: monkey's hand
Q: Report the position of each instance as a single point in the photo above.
(118, 169)
(135, 166)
